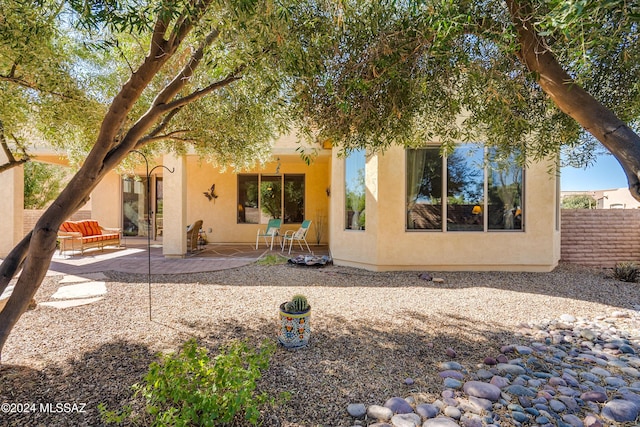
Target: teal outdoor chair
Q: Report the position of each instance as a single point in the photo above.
(272, 232)
(297, 236)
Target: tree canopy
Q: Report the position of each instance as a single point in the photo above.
(530, 77)
(226, 76)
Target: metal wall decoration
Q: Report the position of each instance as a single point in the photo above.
(211, 194)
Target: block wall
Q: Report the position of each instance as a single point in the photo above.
(600, 237)
(31, 216)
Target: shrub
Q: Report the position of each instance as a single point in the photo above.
(627, 271)
(272, 259)
(189, 388)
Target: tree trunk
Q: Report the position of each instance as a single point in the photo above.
(574, 101)
(104, 156)
(37, 249)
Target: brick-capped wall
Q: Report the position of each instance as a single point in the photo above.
(31, 216)
(600, 237)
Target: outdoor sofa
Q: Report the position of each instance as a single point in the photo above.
(81, 235)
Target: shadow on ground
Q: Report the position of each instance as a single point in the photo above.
(346, 362)
(566, 281)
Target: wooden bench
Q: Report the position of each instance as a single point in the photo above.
(81, 235)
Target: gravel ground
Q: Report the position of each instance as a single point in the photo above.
(370, 331)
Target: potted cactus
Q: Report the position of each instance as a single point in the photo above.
(294, 322)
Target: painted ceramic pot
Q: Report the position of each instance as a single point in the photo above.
(295, 330)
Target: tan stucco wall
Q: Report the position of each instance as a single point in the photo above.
(106, 201)
(220, 216)
(385, 245)
(12, 196)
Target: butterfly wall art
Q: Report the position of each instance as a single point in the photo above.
(211, 194)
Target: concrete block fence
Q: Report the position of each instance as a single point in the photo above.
(31, 216)
(600, 237)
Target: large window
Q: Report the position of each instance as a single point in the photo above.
(504, 193)
(483, 191)
(262, 197)
(424, 189)
(354, 190)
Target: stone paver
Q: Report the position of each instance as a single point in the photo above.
(70, 303)
(81, 290)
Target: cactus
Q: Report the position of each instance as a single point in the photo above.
(298, 304)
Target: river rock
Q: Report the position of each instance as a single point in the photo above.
(482, 390)
(398, 405)
(379, 413)
(620, 411)
(357, 410)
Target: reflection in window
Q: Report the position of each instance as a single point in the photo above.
(270, 198)
(504, 193)
(263, 197)
(465, 188)
(473, 188)
(248, 211)
(134, 206)
(293, 198)
(355, 191)
(424, 189)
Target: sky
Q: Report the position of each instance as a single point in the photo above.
(606, 173)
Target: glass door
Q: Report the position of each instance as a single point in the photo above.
(134, 206)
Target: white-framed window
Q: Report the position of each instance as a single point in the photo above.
(472, 189)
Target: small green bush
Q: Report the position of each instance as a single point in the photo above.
(626, 271)
(189, 388)
(272, 259)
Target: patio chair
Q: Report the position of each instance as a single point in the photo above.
(192, 235)
(298, 236)
(272, 231)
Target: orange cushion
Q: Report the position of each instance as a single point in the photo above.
(71, 226)
(84, 228)
(94, 227)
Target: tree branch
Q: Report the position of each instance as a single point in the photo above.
(11, 160)
(179, 81)
(160, 137)
(194, 96)
(29, 85)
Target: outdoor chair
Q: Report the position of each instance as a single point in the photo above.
(272, 231)
(297, 236)
(192, 235)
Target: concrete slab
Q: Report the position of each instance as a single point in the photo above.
(70, 303)
(81, 290)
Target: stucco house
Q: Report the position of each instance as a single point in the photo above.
(404, 209)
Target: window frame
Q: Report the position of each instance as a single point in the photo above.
(363, 187)
(262, 218)
(444, 205)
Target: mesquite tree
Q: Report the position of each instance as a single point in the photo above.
(207, 78)
(42, 99)
(527, 76)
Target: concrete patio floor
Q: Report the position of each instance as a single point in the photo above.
(133, 257)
